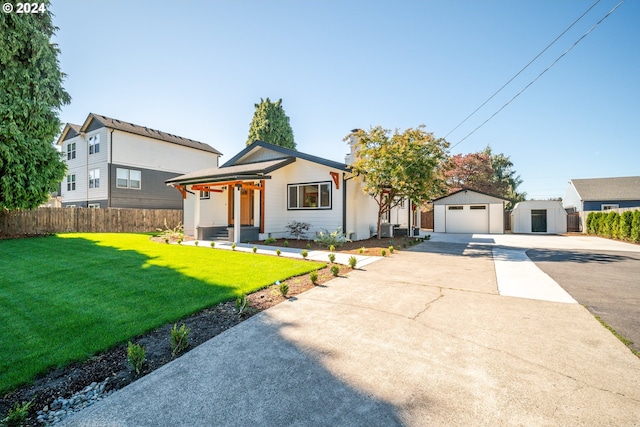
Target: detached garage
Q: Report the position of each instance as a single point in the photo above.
(468, 211)
(539, 216)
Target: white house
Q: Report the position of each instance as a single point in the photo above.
(264, 187)
(539, 216)
(111, 163)
(468, 211)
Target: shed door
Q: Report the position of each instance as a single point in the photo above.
(467, 219)
(538, 220)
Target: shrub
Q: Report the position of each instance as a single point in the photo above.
(269, 240)
(335, 270)
(353, 261)
(298, 229)
(196, 243)
(241, 304)
(286, 243)
(284, 289)
(136, 355)
(213, 244)
(180, 241)
(314, 277)
(308, 245)
(590, 223)
(427, 237)
(332, 248)
(361, 250)
(166, 240)
(278, 252)
(635, 227)
(254, 249)
(175, 233)
(233, 246)
(390, 249)
(624, 230)
(611, 224)
(332, 258)
(329, 239)
(383, 252)
(304, 253)
(17, 416)
(179, 339)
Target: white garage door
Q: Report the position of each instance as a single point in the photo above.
(467, 219)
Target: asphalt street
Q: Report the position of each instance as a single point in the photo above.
(606, 282)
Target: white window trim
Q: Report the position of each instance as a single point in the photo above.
(71, 182)
(94, 144)
(94, 205)
(71, 151)
(128, 186)
(94, 178)
(302, 184)
(609, 206)
(205, 195)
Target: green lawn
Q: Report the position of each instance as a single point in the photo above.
(66, 297)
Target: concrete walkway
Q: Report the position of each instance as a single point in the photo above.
(323, 256)
(419, 338)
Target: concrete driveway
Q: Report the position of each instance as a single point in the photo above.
(418, 338)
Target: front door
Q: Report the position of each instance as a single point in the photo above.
(246, 206)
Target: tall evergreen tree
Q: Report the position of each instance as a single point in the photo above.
(271, 124)
(31, 95)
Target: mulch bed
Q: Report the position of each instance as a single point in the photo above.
(204, 325)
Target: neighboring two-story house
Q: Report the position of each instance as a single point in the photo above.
(111, 163)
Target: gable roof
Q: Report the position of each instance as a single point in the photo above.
(473, 191)
(258, 170)
(70, 130)
(621, 188)
(110, 123)
(255, 161)
(274, 152)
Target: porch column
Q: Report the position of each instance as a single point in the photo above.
(236, 212)
(196, 215)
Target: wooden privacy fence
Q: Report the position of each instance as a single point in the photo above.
(109, 220)
(426, 220)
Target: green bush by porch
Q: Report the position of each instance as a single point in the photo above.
(66, 297)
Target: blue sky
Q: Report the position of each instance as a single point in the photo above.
(196, 69)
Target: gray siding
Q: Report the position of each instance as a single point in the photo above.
(154, 194)
(94, 126)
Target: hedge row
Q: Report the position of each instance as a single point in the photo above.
(625, 226)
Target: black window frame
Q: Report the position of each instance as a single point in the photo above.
(319, 185)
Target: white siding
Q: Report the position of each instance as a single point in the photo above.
(143, 152)
(277, 216)
(189, 205)
(362, 211)
(439, 222)
(572, 198)
(556, 216)
(214, 211)
(77, 166)
(496, 218)
(466, 198)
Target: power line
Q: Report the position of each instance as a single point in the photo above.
(523, 68)
(540, 75)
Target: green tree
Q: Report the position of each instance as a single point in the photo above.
(31, 95)
(505, 176)
(398, 165)
(271, 124)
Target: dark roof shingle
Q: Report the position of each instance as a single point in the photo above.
(622, 188)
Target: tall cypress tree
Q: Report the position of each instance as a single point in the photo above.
(271, 124)
(31, 95)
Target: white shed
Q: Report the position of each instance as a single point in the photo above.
(468, 211)
(539, 216)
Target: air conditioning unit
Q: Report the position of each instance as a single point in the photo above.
(386, 230)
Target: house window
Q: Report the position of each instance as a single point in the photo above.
(609, 206)
(128, 178)
(316, 195)
(94, 178)
(94, 205)
(71, 151)
(456, 208)
(205, 195)
(71, 182)
(94, 144)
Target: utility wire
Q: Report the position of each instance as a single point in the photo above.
(523, 68)
(540, 75)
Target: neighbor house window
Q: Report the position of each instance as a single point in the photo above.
(609, 206)
(94, 178)
(204, 195)
(128, 178)
(315, 195)
(71, 182)
(94, 144)
(71, 151)
(94, 205)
